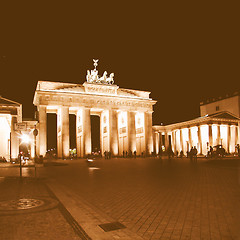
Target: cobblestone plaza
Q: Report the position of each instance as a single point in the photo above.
(152, 198)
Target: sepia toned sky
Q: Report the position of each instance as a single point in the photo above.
(181, 51)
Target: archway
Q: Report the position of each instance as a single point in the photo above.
(95, 133)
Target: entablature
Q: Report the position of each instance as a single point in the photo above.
(86, 100)
(196, 122)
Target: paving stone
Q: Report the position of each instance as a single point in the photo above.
(153, 199)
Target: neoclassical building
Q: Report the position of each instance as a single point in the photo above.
(125, 121)
(14, 131)
(125, 115)
(218, 125)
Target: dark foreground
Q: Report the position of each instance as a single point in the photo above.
(134, 198)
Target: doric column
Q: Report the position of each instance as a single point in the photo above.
(160, 141)
(87, 131)
(210, 135)
(59, 133)
(174, 141)
(131, 132)
(157, 142)
(101, 134)
(65, 131)
(42, 113)
(218, 134)
(199, 140)
(236, 135)
(228, 138)
(148, 132)
(181, 140)
(189, 138)
(166, 140)
(14, 140)
(113, 131)
(79, 133)
(32, 145)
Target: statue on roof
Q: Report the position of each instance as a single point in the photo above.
(94, 78)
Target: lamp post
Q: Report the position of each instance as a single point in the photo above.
(35, 133)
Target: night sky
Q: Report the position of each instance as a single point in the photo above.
(181, 51)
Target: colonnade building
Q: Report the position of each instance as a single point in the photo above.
(218, 125)
(14, 131)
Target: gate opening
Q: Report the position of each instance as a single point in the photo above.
(72, 134)
(51, 134)
(95, 134)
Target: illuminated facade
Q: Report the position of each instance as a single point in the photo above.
(230, 103)
(125, 121)
(13, 130)
(221, 128)
(125, 115)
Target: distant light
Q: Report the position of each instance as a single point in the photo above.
(25, 138)
(90, 160)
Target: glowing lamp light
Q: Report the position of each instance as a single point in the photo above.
(25, 138)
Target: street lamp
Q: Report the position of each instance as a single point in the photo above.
(25, 138)
(35, 133)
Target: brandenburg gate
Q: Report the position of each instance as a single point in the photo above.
(125, 115)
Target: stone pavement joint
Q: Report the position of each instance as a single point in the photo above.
(38, 222)
(155, 199)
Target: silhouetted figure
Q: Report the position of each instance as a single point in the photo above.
(135, 154)
(177, 153)
(181, 154)
(160, 154)
(191, 154)
(126, 154)
(211, 152)
(130, 153)
(195, 153)
(169, 153)
(123, 154)
(238, 150)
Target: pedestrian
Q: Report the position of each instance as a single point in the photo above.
(123, 154)
(135, 154)
(238, 150)
(195, 153)
(169, 153)
(191, 154)
(211, 151)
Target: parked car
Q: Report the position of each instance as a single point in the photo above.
(219, 151)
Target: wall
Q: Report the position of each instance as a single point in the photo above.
(230, 104)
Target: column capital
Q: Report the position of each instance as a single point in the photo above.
(148, 111)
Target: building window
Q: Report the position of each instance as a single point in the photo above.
(217, 108)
